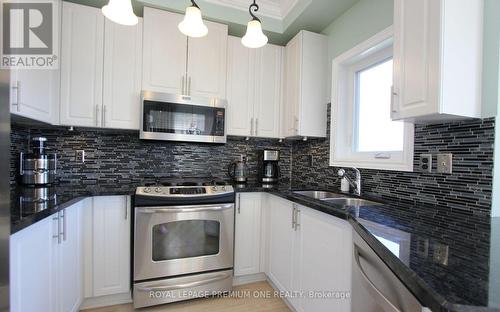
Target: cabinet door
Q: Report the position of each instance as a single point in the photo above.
(247, 234)
(70, 260)
(33, 263)
(320, 234)
(81, 65)
(164, 52)
(35, 94)
(281, 243)
(416, 57)
(268, 91)
(240, 86)
(292, 87)
(207, 63)
(111, 245)
(122, 75)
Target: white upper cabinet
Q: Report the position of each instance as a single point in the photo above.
(305, 98)
(122, 75)
(35, 94)
(81, 65)
(174, 64)
(207, 59)
(101, 70)
(437, 59)
(164, 52)
(254, 89)
(247, 234)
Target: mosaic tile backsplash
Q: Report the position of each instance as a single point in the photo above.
(467, 190)
(113, 156)
(119, 156)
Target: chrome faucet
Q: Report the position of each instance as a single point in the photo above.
(356, 185)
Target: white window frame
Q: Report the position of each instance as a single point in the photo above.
(342, 136)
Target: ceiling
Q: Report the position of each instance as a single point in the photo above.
(281, 19)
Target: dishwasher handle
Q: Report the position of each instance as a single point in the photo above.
(377, 295)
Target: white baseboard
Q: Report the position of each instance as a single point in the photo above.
(248, 279)
(104, 301)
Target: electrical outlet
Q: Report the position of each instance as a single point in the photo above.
(426, 162)
(445, 163)
(80, 156)
(423, 247)
(441, 252)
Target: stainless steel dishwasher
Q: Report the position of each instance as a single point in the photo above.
(374, 287)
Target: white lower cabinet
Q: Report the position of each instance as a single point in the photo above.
(107, 251)
(247, 234)
(309, 254)
(46, 264)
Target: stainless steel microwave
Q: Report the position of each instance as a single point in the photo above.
(172, 117)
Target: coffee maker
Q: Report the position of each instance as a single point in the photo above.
(269, 171)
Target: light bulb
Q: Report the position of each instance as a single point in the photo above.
(120, 11)
(254, 37)
(192, 25)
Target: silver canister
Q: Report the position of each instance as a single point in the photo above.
(38, 168)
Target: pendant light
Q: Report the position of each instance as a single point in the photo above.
(120, 11)
(192, 25)
(254, 37)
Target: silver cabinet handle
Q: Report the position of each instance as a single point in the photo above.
(104, 116)
(251, 126)
(58, 236)
(17, 87)
(379, 297)
(256, 126)
(97, 115)
(126, 209)
(297, 224)
(183, 85)
(64, 224)
(189, 86)
(393, 102)
(239, 203)
(293, 216)
(21, 159)
(216, 278)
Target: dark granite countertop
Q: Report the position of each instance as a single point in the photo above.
(442, 255)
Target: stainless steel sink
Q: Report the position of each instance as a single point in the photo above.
(352, 202)
(320, 195)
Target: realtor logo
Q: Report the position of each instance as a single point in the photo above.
(29, 34)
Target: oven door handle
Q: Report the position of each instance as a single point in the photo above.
(183, 209)
(216, 278)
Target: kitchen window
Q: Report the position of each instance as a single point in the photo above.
(362, 133)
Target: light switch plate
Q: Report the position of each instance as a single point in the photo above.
(426, 162)
(441, 252)
(445, 163)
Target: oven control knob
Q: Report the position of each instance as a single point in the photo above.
(214, 188)
(224, 188)
(147, 190)
(158, 190)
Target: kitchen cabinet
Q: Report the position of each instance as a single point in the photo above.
(433, 52)
(81, 65)
(100, 70)
(305, 98)
(175, 64)
(281, 243)
(309, 251)
(122, 75)
(107, 246)
(34, 94)
(247, 236)
(46, 264)
(254, 90)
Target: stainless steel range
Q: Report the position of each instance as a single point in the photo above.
(183, 240)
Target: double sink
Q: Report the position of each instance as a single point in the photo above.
(338, 199)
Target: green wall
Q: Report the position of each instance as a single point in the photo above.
(360, 22)
(368, 17)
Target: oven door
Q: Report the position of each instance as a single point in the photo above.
(178, 240)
